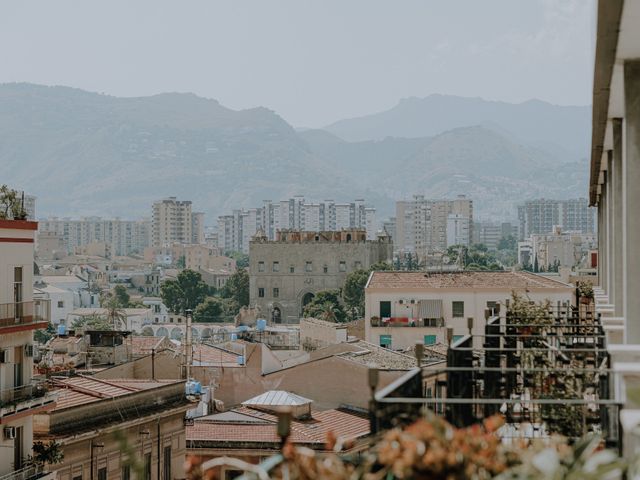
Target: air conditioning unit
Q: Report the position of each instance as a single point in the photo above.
(9, 433)
(28, 350)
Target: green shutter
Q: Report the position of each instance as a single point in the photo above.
(385, 309)
(457, 309)
(385, 340)
(457, 337)
(429, 339)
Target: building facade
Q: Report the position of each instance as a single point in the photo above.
(235, 231)
(424, 226)
(490, 234)
(20, 394)
(172, 221)
(286, 273)
(405, 308)
(120, 237)
(540, 216)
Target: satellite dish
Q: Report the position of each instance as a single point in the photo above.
(446, 260)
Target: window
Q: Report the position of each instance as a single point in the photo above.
(385, 309)
(325, 269)
(276, 292)
(167, 463)
(385, 341)
(308, 267)
(292, 269)
(261, 266)
(457, 309)
(456, 338)
(358, 265)
(147, 466)
(60, 303)
(261, 292)
(343, 266)
(429, 339)
(102, 473)
(492, 307)
(276, 266)
(429, 393)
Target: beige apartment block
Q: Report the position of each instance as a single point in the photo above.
(21, 396)
(405, 308)
(424, 226)
(172, 222)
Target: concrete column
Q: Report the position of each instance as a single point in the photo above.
(600, 242)
(603, 248)
(610, 232)
(616, 210)
(631, 200)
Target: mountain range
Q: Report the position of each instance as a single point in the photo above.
(84, 153)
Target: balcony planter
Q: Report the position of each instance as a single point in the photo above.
(375, 321)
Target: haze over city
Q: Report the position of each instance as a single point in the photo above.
(311, 62)
(341, 239)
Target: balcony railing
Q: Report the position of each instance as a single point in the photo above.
(24, 313)
(27, 473)
(406, 322)
(24, 393)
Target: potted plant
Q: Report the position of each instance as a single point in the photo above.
(585, 292)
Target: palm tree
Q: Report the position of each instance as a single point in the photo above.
(115, 313)
(329, 312)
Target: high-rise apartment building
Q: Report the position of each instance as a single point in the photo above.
(540, 216)
(490, 234)
(173, 222)
(122, 237)
(424, 226)
(236, 230)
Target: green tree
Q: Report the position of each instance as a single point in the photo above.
(186, 292)
(508, 243)
(44, 335)
(121, 295)
(115, 312)
(353, 292)
(10, 204)
(211, 310)
(326, 304)
(180, 263)
(242, 259)
(353, 289)
(237, 288)
(92, 322)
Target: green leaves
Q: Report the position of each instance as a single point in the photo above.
(237, 288)
(186, 292)
(326, 305)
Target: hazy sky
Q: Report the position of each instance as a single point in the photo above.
(311, 62)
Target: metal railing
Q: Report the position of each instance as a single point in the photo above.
(23, 393)
(26, 473)
(404, 322)
(24, 313)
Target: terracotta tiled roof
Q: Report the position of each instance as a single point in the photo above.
(507, 280)
(141, 345)
(204, 354)
(81, 390)
(312, 432)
